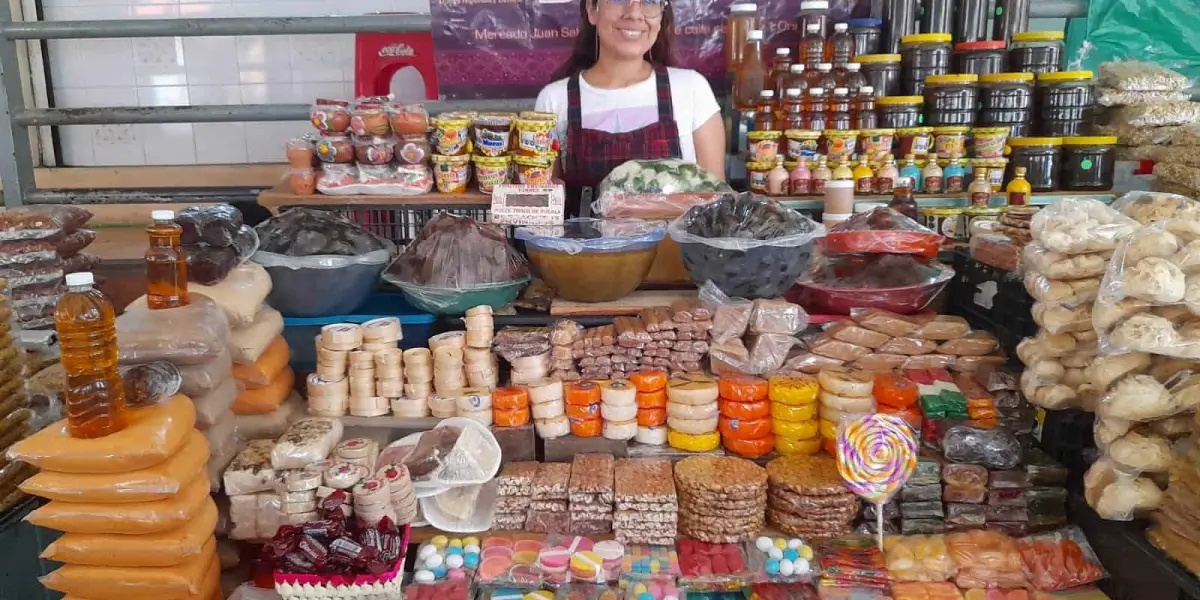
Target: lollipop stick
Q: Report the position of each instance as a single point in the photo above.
(879, 523)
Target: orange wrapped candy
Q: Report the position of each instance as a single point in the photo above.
(651, 417)
(581, 392)
(515, 417)
(745, 410)
(983, 413)
(649, 380)
(942, 590)
(911, 415)
(743, 429)
(986, 559)
(583, 411)
(586, 427)
(894, 390)
(510, 398)
(829, 446)
(655, 399)
(742, 388)
(749, 447)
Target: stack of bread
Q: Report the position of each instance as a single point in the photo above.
(692, 413)
(651, 385)
(619, 409)
(846, 395)
(794, 413)
(745, 422)
(133, 506)
(722, 499)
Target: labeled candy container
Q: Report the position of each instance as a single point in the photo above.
(450, 135)
(444, 558)
(781, 559)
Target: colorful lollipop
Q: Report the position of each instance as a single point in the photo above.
(876, 455)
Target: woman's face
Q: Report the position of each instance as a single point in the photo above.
(627, 28)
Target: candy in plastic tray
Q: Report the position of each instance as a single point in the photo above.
(986, 559)
(509, 560)
(918, 558)
(1060, 560)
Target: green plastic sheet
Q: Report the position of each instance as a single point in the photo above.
(1166, 32)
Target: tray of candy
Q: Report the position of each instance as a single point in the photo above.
(780, 560)
(705, 566)
(386, 580)
(644, 562)
(510, 561)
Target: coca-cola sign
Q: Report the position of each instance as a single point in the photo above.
(394, 50)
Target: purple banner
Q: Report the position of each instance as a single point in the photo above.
(510, 48)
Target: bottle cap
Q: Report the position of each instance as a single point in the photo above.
(824, 66)
(853, 67)
(812, 27)
(840, 27)
(766, 94)
(797, 68)
(162, 215)
(793, 92)
(81, 278)
(754, 34)
(816, 90)
(814, 5)
(783, 51)
(841, 91)
(744, 7)
(867, 89)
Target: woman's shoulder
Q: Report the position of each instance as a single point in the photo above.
(552, 96)
(688, 77)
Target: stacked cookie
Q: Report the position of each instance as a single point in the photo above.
(591, 494)
(514, 496)
(721, 498)
(646, 509)
(403, 496)
(548, 506)
(373, 501)
(807, 497)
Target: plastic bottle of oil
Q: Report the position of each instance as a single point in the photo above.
(812, 46)
(87, 335)
(751, 77)
(839, 46)
(166, 263)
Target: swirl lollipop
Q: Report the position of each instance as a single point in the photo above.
(876, 455)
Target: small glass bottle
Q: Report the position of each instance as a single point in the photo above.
(1018, 189)
(793, 110)
(843, 171)
(751, 77)
(800, 179)
(954, 175)
(166, 263)
(812, 46)
(903, 201)
(863, 110)
(886, 176)
(855, 80)
(764, 112)
(864, 176)
(980, 190)
(838, 116)
(820, 175)
(932, 176)
(911, 173)
(840, 45)
(777, 179)
(815, 115)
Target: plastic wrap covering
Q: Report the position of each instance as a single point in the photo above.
(661, 188)
(163, 549)
(1119, 495)
(746, 245)
(1059, 560)
(1151, 207)
(1066, 293)
(1178, 173)
(1137, 76)
(986, 559)
(1080, 225)
(307, 232)
(881, 230)
(1113, 97)
(1063, 267)
(918, 557)
(379, 180)
(40, 222)
(992, 448)
(901, 283)
(1158, 114)
(150, 383)
(1142, 398)
(583, 235)
(188, 335)
(215, 225)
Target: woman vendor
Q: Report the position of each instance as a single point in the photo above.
(617, 99)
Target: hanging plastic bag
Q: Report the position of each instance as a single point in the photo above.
(163, 549)
(188, 335)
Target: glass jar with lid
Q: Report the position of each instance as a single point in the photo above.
(979, 58)
(951, 99)
(882, 72)
(1006, 99)
(1065, 100)
(899, 111)
(923, 54)
(1036, 51)
(1041, 157)
(1088, 163)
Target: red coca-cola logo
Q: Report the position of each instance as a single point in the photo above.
(393, 50)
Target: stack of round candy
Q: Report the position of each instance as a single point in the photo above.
(583, 408)
(418, 380)
(651, 385)
(646, 562)
(446, 558)
(897, 395)
(784, 557)
(475, 404)
(373, 501)
(402, 494)
(745, 423)
(692, 413)
(510, 407)
(508, 560)
(547, 408)
(652, 590)
(557, 562)
(794, 414)
(846, 394)
(618, 407)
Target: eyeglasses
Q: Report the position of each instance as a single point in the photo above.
(651, 9)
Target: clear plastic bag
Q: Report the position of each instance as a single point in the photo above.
(188, 335)
(1142, 398)
(586, 235)
(918, 558)
(1113, 97)
(1059, 266)
(197, 577)
(881, 230)
(240, 294)
(1158, 114)
(995, 448)
(731, 316)
(1178, 174)
(249, 341)
(214, 225)
(129, 518)
(1151, 207)
(1061, 559)
(778, 317)
(212, 405)
(150, 383)
(454, 252)
(1137, 76)
(197, 380)
(1080, 225)
(306, 442)
(39, 222)
(662, 188)
(163, 549)
(307, 232)
(70, 244)
(1118, 495)
(1067, 293)
(208, 265)
(986, 559)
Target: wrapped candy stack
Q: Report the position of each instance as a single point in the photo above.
(646, 509)
(527, 350)
(483, 369)
(583, 408)
(590, 493)
(548, 408)
(651, 385)
(418, 384)
(794, 414)
(122, 537)
(745, 422)
(918, 498)
(807, 498)
(721, 498)
(514, 495)
(563, 336)
(548, 509)
(618, 408)
(897, 395)
(510, 407)
(692, 413)
(846, 394)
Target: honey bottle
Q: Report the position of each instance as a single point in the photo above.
(166, 263)
(793, 110)
(86, 324)
(764, 112)
(781, 72)
(812, 46)
(751, 77)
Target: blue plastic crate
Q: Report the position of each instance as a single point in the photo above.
(300, 332)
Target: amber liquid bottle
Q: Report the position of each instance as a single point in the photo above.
(86, 324)
(752, 76)
(166, 263)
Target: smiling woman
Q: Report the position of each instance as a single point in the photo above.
(617, 98)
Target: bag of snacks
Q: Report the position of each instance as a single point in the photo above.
(1059, 560)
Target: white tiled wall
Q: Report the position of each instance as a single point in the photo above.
(214, 70)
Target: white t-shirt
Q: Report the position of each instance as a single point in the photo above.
(636, 106)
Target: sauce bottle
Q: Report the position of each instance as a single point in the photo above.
(838, 116)
(911, 173)
(903, 201)
(820, 175)
(85, 321)
(843, 172)
(840, 45)
(854, 80)
(796, 78)
(764, 112)
(781, 71)
(800, 179)
(932, 176)
(812, 46)
(166, 263)
(793, 110)
(954, 175)
(815, 117)
(980, 190)
(1018, 189)
(864, 176)
(777, 179)
(742, 18)
(863, 110)
(751, 76)
(885, 178)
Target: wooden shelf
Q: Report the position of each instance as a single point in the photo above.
(281, 196)
(944, 200)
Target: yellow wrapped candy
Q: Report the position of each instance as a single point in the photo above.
(793, 390)
(829, 429)
(787, 445)
(785, 412)
(801, 430)
(701, 442)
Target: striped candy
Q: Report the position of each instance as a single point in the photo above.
(876, 455)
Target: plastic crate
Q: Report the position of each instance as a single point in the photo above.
(401, 225)
(299, 332)
(992, 299)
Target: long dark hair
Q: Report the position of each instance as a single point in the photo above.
(587, 47)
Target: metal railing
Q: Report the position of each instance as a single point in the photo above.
(16, 155)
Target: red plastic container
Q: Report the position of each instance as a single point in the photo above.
(881, 242)
(821, 299)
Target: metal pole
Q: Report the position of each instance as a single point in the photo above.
(51, 30)
(16, 156)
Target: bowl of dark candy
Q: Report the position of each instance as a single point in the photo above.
(900, 283)
(748, 246)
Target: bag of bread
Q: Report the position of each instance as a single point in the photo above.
(1054, 291)
(1143, 398)
(777, 316)
(847, 330)
(1119, 495)
(151, 436)
(884, 321)
(248, 342)
(1080, 225)
(241, 294)
(270, 364)
(265, 400)
(144, 485)
(975, 343)
(130, 518)
(177, 582)
(730, 316)
(162, 549)
(1055, 318)
(1063, 267)
(189, 335)
(941, 327)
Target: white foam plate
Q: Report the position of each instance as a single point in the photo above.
(481, 516)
